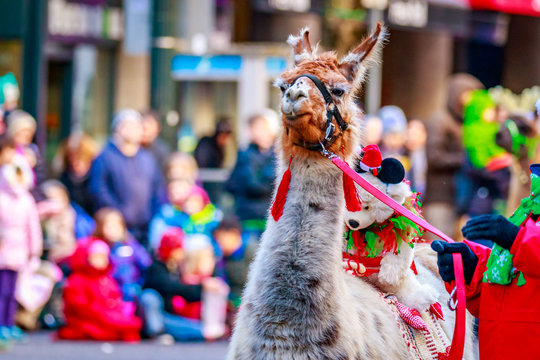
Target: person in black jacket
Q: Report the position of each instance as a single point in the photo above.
(252, 179)
(163, 289)
(210, 151)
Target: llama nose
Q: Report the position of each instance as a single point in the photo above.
(353, 224)
(295, 93)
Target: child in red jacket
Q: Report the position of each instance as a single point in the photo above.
(93, 303)
(503, 283)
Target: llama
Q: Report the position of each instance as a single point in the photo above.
(298, 302)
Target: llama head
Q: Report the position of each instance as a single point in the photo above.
(303, 107)
(389, 181)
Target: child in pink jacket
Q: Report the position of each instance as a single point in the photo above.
(20, 232)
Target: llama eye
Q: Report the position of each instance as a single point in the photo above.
(366, 207)
(283, 88)
(338, 92)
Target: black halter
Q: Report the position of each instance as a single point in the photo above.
(331, 113)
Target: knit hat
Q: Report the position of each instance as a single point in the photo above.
(171, 240)
(19, 120)
(393, 119)
(197, 190)
(371, 159)
(123, 115)
(9, 89)
(98, 247)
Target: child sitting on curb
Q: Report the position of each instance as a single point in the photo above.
(163, 284)
(93, 304)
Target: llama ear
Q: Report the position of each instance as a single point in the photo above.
(355, 64)
(301, 47)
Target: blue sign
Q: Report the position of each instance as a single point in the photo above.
(275, 65)
(218, 65)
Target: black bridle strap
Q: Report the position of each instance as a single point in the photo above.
(332, 112)
(327, 99)
(318, 83)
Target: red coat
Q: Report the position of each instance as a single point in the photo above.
(509, 315)
(93, 304)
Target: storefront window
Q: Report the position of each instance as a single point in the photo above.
(58, 105)
(93, 95)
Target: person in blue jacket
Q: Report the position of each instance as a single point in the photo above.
(126, 177)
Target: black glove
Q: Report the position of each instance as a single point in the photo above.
(491, 227)
(445, 261)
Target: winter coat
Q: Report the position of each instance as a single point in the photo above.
(93, 304)
(168, 285)
(161, 152)
(509, 315)
(445, 156)
(252, 182)
(444, 143)
(79, 190)
(129, 261)
(60, 234)
(20, 230)
(84, 224)
(133, 185)
(208, 154)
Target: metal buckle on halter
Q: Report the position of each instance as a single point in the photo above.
(452, 305)
(329, 132)
(327, 153)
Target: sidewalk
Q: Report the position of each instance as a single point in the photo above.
(40, 346)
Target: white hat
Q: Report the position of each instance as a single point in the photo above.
(123, 115)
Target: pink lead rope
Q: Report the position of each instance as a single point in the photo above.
(458, 340)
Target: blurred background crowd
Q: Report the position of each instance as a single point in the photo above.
(117, 224)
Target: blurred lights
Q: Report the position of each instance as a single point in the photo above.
(290, 5)
(408, 13)
(172, 118)
(375, 4)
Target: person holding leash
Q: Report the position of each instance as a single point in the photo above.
(502, 283)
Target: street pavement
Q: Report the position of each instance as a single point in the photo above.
(41, 346)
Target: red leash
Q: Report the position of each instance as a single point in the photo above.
(458, 340)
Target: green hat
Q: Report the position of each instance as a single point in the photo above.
(9, 89)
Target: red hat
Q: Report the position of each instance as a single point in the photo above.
(171, 240)
(371, 159)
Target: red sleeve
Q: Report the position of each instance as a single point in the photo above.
(473, 290)
(526, 249)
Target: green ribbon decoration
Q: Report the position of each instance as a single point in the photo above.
(350, 241)
(371, 240)
(500, 268)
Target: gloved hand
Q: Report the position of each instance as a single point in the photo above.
(491, 227)
(445, 260)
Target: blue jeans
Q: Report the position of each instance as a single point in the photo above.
(158, 321)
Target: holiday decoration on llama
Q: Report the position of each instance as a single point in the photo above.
(379, 242)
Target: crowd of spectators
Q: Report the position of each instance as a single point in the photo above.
(124, 241)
